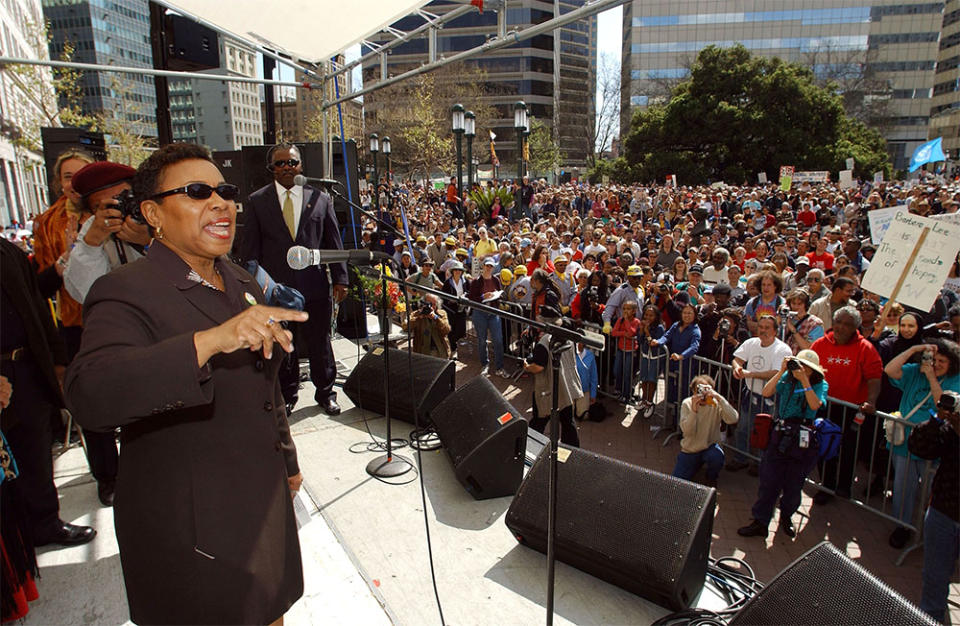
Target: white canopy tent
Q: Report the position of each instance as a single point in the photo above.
(308, 30)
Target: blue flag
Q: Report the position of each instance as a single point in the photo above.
(929, 152)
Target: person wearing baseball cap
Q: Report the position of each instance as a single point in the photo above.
(629, 291)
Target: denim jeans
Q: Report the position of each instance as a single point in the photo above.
(623, 371)
(688, 463)
(941, 547)
(483, 322)
(907, 473)
(750, 404)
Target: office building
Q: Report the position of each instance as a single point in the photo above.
(220, 115)
(945, 112)
(27, 103)
(109, 32)
(556, 78)
(894, 43)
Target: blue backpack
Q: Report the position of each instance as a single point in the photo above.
(829, 436)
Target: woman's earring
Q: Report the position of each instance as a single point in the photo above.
(159, 233)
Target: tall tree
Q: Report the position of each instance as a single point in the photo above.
(122, 124)
(606, 126)
(739, 114)
(545, 154)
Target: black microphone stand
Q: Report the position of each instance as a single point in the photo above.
(558, 345)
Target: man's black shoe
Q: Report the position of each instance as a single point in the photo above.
(787, 527)
(330, 407)
(66, 534)
(754, 529)
(105, 489)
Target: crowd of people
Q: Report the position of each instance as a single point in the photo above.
(692, 282)
(709, 292)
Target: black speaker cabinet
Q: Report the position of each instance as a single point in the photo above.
(825, 587)
(486, 438)
(56, 141)
(646, 532)
(423, 386)
(191, 47)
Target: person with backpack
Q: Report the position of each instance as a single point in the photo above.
(793, 448)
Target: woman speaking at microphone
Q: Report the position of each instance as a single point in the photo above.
(180, 353)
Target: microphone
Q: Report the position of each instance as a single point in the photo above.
(300, 258)
(302, 180)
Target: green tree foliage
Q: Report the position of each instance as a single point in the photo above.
(738, 115)
(545, 154)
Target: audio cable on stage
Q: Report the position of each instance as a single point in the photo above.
(736, 584)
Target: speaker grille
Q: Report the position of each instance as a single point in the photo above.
(424, 384)
(825, 587)
(641, 530)
(471, 415)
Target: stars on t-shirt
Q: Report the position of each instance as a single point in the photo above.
(836, 360)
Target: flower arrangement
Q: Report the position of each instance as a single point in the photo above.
(371, 288)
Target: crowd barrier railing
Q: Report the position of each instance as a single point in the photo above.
(864, 472)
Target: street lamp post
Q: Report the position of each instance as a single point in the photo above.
(386, 155)
(470, 131)
(526, 148)
(374, 149)
(520, 123)
(457, 122)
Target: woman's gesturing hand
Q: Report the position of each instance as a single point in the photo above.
(257, 328)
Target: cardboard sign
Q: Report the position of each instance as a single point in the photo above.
(762, 178)
(880, 219)
(915, 255)
(846, 179)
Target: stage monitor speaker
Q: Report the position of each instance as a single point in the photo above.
(485, 437)
(646, 532)
(56, 141)
(422, 387)
(825, 587)
(191, 47)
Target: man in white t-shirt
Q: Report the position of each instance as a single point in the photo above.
(754, 362)
(597, 247)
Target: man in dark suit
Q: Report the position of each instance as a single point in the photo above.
(32, 358)
(276, 218)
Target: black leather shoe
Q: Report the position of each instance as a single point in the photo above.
(754, 529)
(330, 407)
(786, 526)
(66, 534)
(105, 490)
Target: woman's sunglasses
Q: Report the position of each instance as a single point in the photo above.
(202, 191)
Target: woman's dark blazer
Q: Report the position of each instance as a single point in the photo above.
(203, 512)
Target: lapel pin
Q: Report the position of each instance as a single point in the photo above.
(250, 299)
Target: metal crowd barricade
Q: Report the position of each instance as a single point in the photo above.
(868, 439)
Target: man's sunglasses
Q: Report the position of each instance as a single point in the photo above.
(290, 162)
(202, 191)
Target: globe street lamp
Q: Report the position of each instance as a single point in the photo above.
(470, 131)
(374, 149)
(386, 155)
(457, 123)
(520, 123)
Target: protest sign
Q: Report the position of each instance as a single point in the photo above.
(811, 177)
(877, 178)
(913, 260)
(786, 177)
(880, 219)
(850, 163)
(762, 178)
(846, 179)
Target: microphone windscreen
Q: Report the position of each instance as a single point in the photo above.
(298, 257)
(300, 180)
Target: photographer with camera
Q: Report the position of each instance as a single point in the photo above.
(700, 417)
(115, 235)
(429, 326)
(800, 390)
(802, 329)
(540, 366)
(939, 438)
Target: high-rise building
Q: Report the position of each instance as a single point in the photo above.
(945, 112)
(109, 32)
(892, 44)
(221, 115)
(27, 103)
(555, 77)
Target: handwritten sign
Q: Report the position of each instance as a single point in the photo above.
(762, 178)
(786, 177)
(927, 272)
(811, 177)
(846, 179)
(880, 219)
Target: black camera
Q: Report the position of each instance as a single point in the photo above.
(724, 326)
(129, 206)
(948, 402)
(426, 308)
(793, 365)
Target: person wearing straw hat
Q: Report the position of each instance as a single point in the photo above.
(800, 389)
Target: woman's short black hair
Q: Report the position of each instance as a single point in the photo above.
(147, 178)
